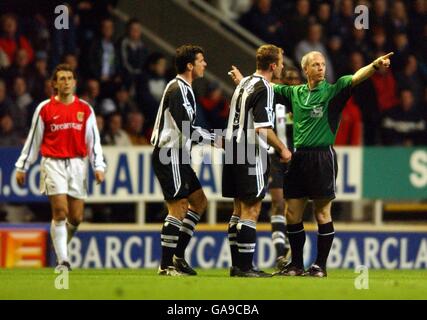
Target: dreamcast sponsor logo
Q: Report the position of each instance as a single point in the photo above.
(66, 126)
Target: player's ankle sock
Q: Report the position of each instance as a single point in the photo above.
(58, 232)
(246, 241)
(71, 230)
(186, 232)
(325, 237)
(296, 235)
(232, 239)
(169, 239)
(278, 228)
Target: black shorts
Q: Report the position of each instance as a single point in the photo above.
(277, 172)
(246, 181)
(312, 174)
(177, 180)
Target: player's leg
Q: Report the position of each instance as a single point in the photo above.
(278, 224)
(296, 234)
(170, 232)
(232, 233)
(246, 239)
(197, 206)
(75, 216)
(58, 229)
(325, 237)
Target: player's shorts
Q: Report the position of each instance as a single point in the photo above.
(64, 176)
(277, 172)
(177, 180)
(312, 174)
(246, 181)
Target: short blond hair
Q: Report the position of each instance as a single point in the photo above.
(306, 58)
(266, 55)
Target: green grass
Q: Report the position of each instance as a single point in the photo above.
(210, 284)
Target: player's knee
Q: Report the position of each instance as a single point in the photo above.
(59, 213)
(200, 204)
(75, 221)
(277, 207)
(323, 217)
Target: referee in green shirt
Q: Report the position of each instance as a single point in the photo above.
(316, 107)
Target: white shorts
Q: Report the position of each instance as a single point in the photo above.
(64, 176)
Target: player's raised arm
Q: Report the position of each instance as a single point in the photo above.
(364, 73)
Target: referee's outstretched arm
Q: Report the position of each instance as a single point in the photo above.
(364, 73)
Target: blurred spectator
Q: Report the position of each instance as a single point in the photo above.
(379, 42)
(115, 135)
(263, 23)
(359, 42)
(100, 123)
(20, 67)
(401, 50)
(48, 90)
(385, 87)
(91, 94)
(9, 136)
(134, 128)
(313, 43)
(4, 61)
(233, 9)
(344, 21)
(324, 17)
(338, 58)
(214, 107)
(296, 26)
(379, 15)
(350, 129)
(103, 61)
(133, 54)
(22, 108)
(40, 75)
(121, 103)
(404, 124)
(64, 41)
(418, 24)
(410, 78)
(11, 40)
(152, 85)
(365, 97)
(5, 102)
(399, 17)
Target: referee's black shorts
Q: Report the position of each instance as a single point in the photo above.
(177, 179)
(246, 181)
(312, 174)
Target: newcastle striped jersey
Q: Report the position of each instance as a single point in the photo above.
(251, 108)
(174, 126)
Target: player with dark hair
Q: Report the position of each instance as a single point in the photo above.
(173, 134)
(64, 130)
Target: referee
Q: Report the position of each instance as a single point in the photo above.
(317, 107)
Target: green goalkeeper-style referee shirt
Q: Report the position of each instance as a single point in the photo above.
(316, 112)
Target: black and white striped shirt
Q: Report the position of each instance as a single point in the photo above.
(174, 126)
(251, 108)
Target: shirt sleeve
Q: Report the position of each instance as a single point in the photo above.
(263, 108)
(30, 151)
(343, 84)
(93, 144)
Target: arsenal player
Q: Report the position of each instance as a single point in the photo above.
(64, 131)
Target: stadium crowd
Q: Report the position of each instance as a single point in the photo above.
(123, 80)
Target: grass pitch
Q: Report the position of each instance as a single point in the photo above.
(208, 285)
